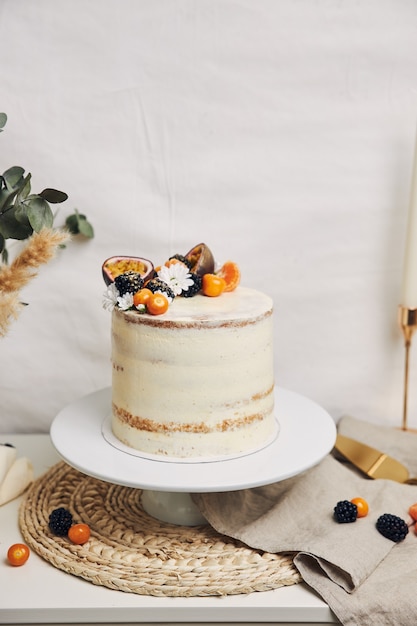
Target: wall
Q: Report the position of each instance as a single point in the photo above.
(280, 133)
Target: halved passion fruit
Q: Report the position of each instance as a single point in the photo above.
(116, 265)
(201, 259)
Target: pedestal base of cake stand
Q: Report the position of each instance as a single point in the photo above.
(307, 433)
(173, 507)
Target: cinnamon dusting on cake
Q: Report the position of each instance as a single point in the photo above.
(148, 425)
(263, 394)
(132, 317)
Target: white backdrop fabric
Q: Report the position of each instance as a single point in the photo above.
(279, 132)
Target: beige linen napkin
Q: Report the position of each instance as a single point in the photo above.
(364, 577)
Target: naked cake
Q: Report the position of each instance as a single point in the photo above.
(195, 380)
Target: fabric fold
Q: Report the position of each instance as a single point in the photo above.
(296, 515)
(16, 474)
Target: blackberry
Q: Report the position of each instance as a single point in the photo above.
(128, 282)
(195, 287)
(392, 527)
(158, 285)
(60, 521)
(345, 512)
(181, 258)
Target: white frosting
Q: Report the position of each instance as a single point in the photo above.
(198, 380)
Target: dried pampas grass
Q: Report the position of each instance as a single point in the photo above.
(40, 249)
(9, 309)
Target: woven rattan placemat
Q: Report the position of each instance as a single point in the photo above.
(130, 551)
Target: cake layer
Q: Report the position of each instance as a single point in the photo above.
(197, 381)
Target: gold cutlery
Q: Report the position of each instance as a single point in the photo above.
(372, 462)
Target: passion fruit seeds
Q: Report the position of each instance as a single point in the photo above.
(116, 265)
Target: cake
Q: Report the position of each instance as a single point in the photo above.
(197, 381)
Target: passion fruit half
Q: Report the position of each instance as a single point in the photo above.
(116, 265)
(201, 259)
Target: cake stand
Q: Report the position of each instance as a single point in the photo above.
(82, 437)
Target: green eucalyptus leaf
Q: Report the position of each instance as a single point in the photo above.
(39, 213)
(7, 195)
(54, 196)
(5, 255)
(12, 228)
(21, 213)
(78, 224)
(72, 224)
(24, 189)
(85, 227)
(13, 177)
(6, 199)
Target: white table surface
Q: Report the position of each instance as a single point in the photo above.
(38, 593)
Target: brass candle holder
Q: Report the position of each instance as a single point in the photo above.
(407, 319)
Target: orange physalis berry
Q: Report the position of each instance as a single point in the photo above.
(173, 261)
(231, 273)
(157, 304)
(413, 511)
(79, 533)
(18, 554)
(213, 285)
(362, 506)
(141, 296)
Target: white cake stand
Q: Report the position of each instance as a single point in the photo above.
(80, 435)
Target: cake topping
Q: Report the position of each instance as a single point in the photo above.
(230, 272)
(201, 259)
(156, 285)
(157, 304)
(128, 278)
(181, 258)
(177, 276)
(213, 285)
(141, 297)
(129, 282)
(116, 265)
(195, 287)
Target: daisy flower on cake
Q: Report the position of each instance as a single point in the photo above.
(177, 276)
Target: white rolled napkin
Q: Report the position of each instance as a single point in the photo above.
(15, 474)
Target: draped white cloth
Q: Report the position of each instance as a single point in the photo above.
(279, 133)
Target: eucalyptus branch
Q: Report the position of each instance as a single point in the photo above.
(26, 215)
(23, 213)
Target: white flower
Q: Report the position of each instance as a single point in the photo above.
(110, 297)
(177, 277)
(125, 302)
